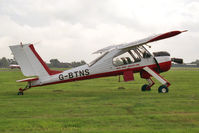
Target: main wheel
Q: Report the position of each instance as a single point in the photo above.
(20, 93)
(146, 88)
(163, 89)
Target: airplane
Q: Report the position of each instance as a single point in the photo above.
(12, 66)
(123, 59)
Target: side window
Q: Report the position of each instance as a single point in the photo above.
(134, 53)
(126, 58)
(123, 59)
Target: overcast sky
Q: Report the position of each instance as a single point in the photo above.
(70, 30)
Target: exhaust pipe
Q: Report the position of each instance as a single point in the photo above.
(177, 60)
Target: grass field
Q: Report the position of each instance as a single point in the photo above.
(97, 106)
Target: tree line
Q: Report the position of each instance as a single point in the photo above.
(56, 63)
(196, 62)
(4, 63)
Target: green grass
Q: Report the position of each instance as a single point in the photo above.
(97, 106)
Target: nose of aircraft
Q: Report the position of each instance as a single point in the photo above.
(164, 58)
(161, 53)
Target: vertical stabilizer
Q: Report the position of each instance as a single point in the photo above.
(30, 62)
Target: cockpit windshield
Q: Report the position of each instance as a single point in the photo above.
(144, 53)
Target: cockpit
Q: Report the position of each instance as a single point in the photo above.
(133, 55)
(130, 56)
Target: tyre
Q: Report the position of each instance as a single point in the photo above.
(20, 93)
(146, 88)
(163, 89)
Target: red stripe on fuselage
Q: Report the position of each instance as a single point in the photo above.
(50, 72)
(113, 73)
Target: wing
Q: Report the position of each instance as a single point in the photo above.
(141, 42)
(105, 49)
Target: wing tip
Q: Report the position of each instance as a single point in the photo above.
(184, 31)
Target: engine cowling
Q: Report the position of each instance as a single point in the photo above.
(161, 53)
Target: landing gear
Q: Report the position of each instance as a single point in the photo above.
(146, 88)
(163, 89)
(120, 88)
(149, 72)
(22, 90)
(20, 93)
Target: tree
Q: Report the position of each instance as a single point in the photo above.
(4, 62)
(76, 64)
(12, 61)
(195, 62)
(55, 63)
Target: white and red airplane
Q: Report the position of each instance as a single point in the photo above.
(124, 59)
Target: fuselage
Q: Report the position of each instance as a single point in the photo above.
(105, 66)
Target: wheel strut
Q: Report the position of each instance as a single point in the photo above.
(24, 89)
(146, 87)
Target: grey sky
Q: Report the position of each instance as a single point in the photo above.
(72, 29)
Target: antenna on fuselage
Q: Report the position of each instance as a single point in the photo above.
(148, 45)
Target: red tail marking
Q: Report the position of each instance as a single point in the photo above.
(50, 72)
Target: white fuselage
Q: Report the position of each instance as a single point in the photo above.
(101, 68)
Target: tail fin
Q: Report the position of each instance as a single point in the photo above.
(30, 62)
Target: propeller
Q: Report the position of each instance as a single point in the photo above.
(177, 60)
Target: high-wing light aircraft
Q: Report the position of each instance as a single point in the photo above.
(124, 59)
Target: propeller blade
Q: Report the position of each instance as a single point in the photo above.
(177, 60)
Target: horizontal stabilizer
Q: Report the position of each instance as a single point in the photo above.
(28, 79)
